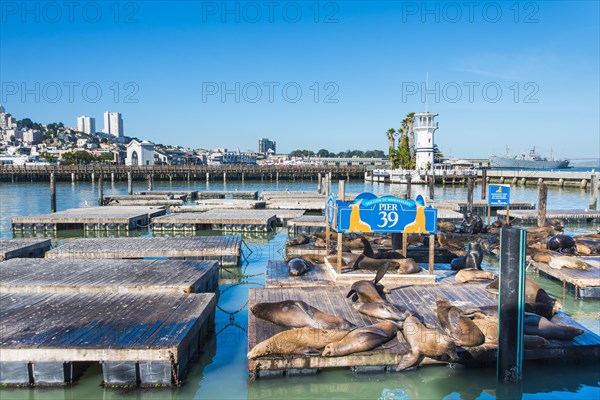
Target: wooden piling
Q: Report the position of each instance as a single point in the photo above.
(52, 193)
(542, 203)
(483, 184)
(150, 183)
(340, 236)
(470, 189)
(408, 185)
(129, 184)
(594, 191)
(319, 183)
(431, 253)
(431, 182)
(100, 190)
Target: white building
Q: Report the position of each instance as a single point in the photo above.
(86, 124)
(424, 128)
(113, 124)
(140, 153)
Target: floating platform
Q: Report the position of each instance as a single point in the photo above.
(146, 339)
(122, 218)
(567, 215)
(349, 276)
(286, 194)
(296, 204)
(277, 276)
(479, 206)
(307, 224)
(187, 194)
(23, 248)
(219, 220)
(144, 202)
(229, 194)
(584, 284)
(220, 204)
(284, 216)
(225, 249)
(108, 276)
(419, 299)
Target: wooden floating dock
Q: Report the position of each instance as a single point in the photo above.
(419, 299)
(583, 284)
(229, 194)
(220, 204)
(147, 339)
(122, 218)
(225, 249)
(284, 216)
(567, 215)
(306, 224)
(23, 248)
(349, 276)
(479, 206)
(187, 194)
(219, 220)
(286, 194)
(108, 276)
(144, 202)
(296, 204)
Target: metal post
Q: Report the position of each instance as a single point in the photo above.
(129, 184)
(52, 193)
(542, 202)
(594, 191)
(483, 184)
(470, 188)
(100, 190)
(511, 304)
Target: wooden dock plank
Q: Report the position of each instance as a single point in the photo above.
(24, 248)
(228, 194)
(573, 215)
(277, 276)
(588, 280)
(115, 275)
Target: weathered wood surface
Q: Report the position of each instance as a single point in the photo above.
(308, 220)
(295, 204)
(142, 202)
(224, 194)
(479, 206)
(51, 327)
(569, 215)
(141, 247)
(349, 275)
(93, 215)
(418, 299)
(146, 197)
(281, 194)
(219, 204)
(107, 276)
(262, 217)
(287, 215)
(576, 277)
(188, 194)
(277, 275)
(11, 248)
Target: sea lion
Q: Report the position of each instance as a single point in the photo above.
(448, 243)
(471, 224)
(446, 227)
(320, 243)
(383, 241)
(298, 314)
(361, 339)
(537, 325)
(372, 264)
(298, 240)
(302, 341)
(536, 298)
(383, 310)
(471, 260)
(298, 266)
(354, 244)
(568, 262)
(534, 341)
(323, 235)
(473, 274)
(424, 342)
(461, 329)
(487, 324)
(408, 266)
(348, 259)
(369, 291)
(311, 258)
(588, 246)
(544, 255)
(562, 244)
(380, 255)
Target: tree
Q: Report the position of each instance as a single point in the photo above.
(437, 153)
(403, 154)
(77, 157)
(410, 124)
(391, 133)
(48, 157)
(323, 153)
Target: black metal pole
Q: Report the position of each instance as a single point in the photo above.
(511, 305)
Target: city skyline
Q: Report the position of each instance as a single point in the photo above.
(336, 78)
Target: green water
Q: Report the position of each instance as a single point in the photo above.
(222, 371)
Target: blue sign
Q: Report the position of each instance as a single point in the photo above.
(499, 195)
(369, 213)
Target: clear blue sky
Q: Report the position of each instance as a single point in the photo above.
(175, 58)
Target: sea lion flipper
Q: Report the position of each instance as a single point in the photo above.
(381, 272)
(308, 351)
(410, 359)
(351, 293)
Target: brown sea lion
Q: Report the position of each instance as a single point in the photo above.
(301, 341)
(536, 298)
(534, 341)
(448, 243)
(473, 258)
(298, 314)
(544, 255)
(587, 246)
(323, 235)
(461, 329)
(568, 262)
(446, 227)
(312, 258)
(383, 241)
(320, 243)
(487, 324)
(361, 339)
(408, 266)
(383, 310)
(472, 274)
(354, 244)
(298, 266)
(380, 255)
(348, 259)
(372, 264)
(425, 342)
(537, 325)
(369, 291)
(298, 240)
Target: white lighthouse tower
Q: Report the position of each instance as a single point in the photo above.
(424, 127)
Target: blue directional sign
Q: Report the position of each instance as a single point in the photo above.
(499, 195)
(369, 213)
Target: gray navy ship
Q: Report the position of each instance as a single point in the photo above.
(529, 161)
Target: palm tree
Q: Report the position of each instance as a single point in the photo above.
(437, 154)
(410, 124)
(390, 135)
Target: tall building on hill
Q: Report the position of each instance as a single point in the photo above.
(86, 124)
(113, 124)
(265, 144)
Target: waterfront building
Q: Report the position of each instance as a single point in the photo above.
(140, 153)
(424, 127)
(86, 124)
(264, 145)
(32, 136)
(113, 124)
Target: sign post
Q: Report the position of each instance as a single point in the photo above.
(499, 196)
